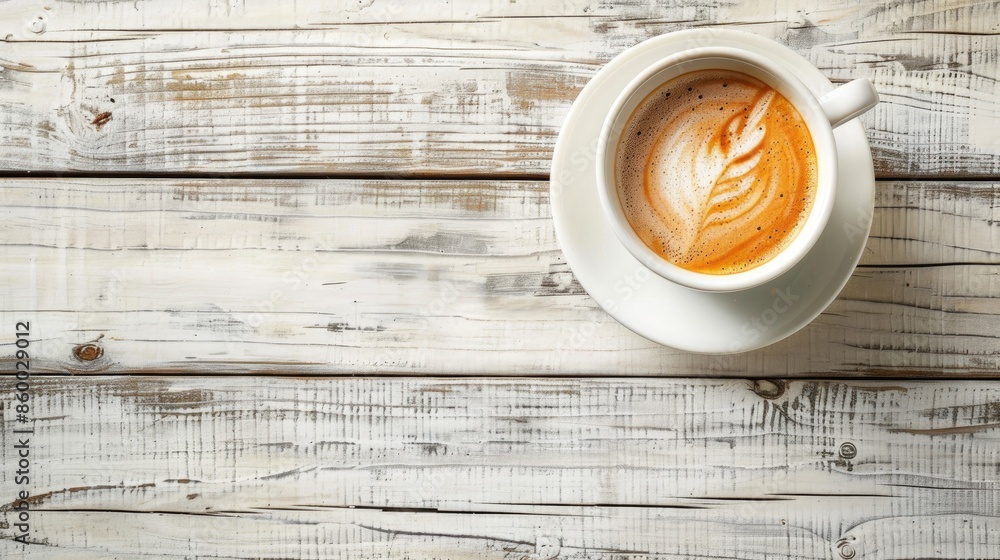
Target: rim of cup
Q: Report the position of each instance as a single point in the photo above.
(775, 76)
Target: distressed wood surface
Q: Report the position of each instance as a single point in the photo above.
(172, 467)
(154, 292)
(439, 87)
(448, 277)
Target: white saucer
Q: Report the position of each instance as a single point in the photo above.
(659, 309)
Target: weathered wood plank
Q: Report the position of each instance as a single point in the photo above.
(606, 468)
(434, 88)
(437, 277)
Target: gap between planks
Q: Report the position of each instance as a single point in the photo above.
(413, 176)
(779, 383)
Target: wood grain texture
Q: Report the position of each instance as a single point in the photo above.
(433, 468)
(309, 283)
(446, 277)
(394, 87)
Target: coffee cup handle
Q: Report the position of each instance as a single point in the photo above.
(849, 101)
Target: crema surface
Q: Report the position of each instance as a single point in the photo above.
(716, 171)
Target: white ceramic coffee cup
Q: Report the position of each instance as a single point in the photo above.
(821, 116)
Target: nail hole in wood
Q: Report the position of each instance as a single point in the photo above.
(848, 450)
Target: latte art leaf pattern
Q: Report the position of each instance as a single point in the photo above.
(716, 176)
(723, 171)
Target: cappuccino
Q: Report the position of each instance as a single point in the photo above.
(716, 171)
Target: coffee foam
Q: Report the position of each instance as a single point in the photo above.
(716, 171)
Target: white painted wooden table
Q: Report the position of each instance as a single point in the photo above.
(294, 292)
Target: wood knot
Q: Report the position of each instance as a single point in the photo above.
(768, 388)
(88, 352)
(101, 120)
